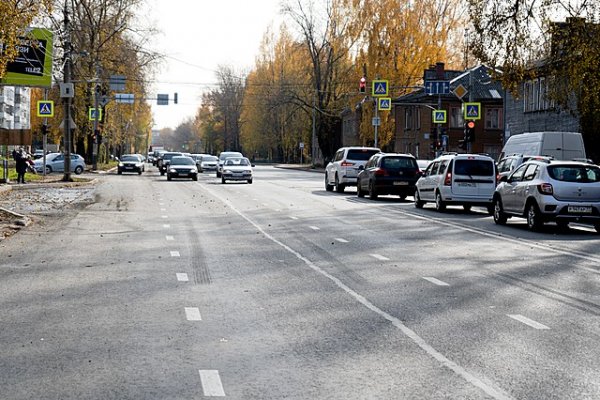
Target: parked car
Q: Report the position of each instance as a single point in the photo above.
(509, 163)
(388, 173)
(165, 159)
(542, 191)
(236, 169)
(130, 163)
(458, 179)
(343, 170)
(55, 162)
(222, 156)
(39, 153)
(208, 163)
(182, 167)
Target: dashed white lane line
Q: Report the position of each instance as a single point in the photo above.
(341, 240)
(166, 226)
(192, 314)
(182, 277)
(161, 204)
(164, 216)
(380, 257)
(163, 209)
(175, 254)
(315, 228)
(527, 321)
(294, 217)
(435, 281)
(211, 383)
(169, 237)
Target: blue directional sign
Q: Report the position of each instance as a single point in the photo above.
(437, 87)
(45, 108)
(472, 111)
(439, 116)
(385, 103)
(380, 88)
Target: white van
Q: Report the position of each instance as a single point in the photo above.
(560, 145)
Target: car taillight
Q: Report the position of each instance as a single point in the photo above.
(381, 172)
(346, 164)
(448, 179)
(545, 188)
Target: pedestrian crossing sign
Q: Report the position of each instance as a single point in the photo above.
(385, 103)
(439, 116)
(472, 111)
(45, 108)
(380, 88)
(95, 114)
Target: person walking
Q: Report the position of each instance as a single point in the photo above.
(21, 165)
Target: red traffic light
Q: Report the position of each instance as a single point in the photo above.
(471, 124)
(363, 85)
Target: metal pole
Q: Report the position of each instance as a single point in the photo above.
(376, 120)
(67, 101)
(44, 138)
(96, 133)
(469, 145)
(314, 130)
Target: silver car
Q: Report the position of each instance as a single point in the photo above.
(55, 162)
(543, 191)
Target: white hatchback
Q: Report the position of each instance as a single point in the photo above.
(343, 170)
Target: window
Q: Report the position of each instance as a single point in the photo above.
(443, 166)
(433, 168)
(493, 118)
(530, 172)
(418, 119)
(456, 117)
(407, 118)
(518, 174)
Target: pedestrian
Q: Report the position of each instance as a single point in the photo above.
(21, 165)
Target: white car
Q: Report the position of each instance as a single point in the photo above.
(55, 162)
(222, 156)
(343, 170)
(236, 169)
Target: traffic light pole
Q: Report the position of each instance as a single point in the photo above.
(67, 102)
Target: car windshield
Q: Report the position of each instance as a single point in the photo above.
(223, 156)
(129, 158)
(209, 158)
(182, 161)
(575, 173)
(168, 156)
(236, 161)
(474, 167)
(398, 163)
(361, 155)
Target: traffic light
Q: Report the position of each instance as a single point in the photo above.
(363, 85)
(462, 144)
(470, 132)
(175, 98)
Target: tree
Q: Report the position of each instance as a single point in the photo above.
(512, 35)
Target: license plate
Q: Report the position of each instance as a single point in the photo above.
(400, 183)
(467, 184)
(580, 209)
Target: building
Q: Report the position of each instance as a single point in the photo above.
(15, 107)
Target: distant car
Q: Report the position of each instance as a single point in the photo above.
(423, 164)
(182, 167)
(343, 170)
(130, 163)
(222, 156)
(208, 163)
(55, 162)
(509, 163)
(545, 191)
(38, 154)
(165, 159)
(388, 173)
(236, 169)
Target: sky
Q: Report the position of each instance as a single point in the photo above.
(197, 36)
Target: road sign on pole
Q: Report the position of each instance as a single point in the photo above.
(385, 103)
(45, 108)
(94, 114)
(439, 116)
(380, 88)
(472, 110)
(437, 87)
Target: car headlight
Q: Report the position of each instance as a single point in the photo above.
(120, 164)
(227, 171)
(194, 170)
(173, 170)
(248, 171)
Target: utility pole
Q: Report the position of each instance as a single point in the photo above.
(67, 99)
(96, 132)
(313, 154)
(44, 137)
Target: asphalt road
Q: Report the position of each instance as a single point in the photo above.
(281, 290)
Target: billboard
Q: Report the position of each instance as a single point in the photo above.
(33, 65)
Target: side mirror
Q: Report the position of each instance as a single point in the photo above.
(504, 178)
(361, 167)
(253, 165)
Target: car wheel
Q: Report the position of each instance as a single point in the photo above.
(339, 187)
(499, 214)
(563, 226)
(194, 177)
(222, 180)
(597, 227)
(139, 172)
(48, 170)
(418, 202)
(467, 207)
(372, 192)
(440, 204)
(250, 181)
(534, 219)
(162, 173)
(328, 187)
(78, 170)
(120, 172)
(168, 177)
(359, 191)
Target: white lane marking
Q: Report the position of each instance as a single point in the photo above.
(163, 209)
(164, 216)
(341, 240)
(380, 257)
(527, 321)
(166, 226)
(265, 205)
(175, 254)
(192, 314)
(435, 281)
(182, 277)
(211, 383)
(482, 383)
(315, 228)
(294, 217)
(161, 204)
(169, 237)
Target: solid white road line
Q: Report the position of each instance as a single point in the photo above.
(380, 257)
(169, 237)
(435, 281)
(182, 277)
(341, 240)
(294, 217)
(163, 209)
(527, 321)
(315, 228)
(484, 384)
(164, 216)
(175, 254)
(211, 383)
(166, 226)
(192, 314)
(161, 204)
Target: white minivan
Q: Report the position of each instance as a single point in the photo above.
(559, 145)
(458, 179)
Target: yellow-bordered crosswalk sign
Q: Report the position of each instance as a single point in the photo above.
(45, 108)
(385, 103)
(472, 111)
(380, 88)
(94, 114)
(439, 116)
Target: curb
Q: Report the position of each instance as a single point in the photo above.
(300, 168)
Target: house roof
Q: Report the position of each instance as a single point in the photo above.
(483, 88)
